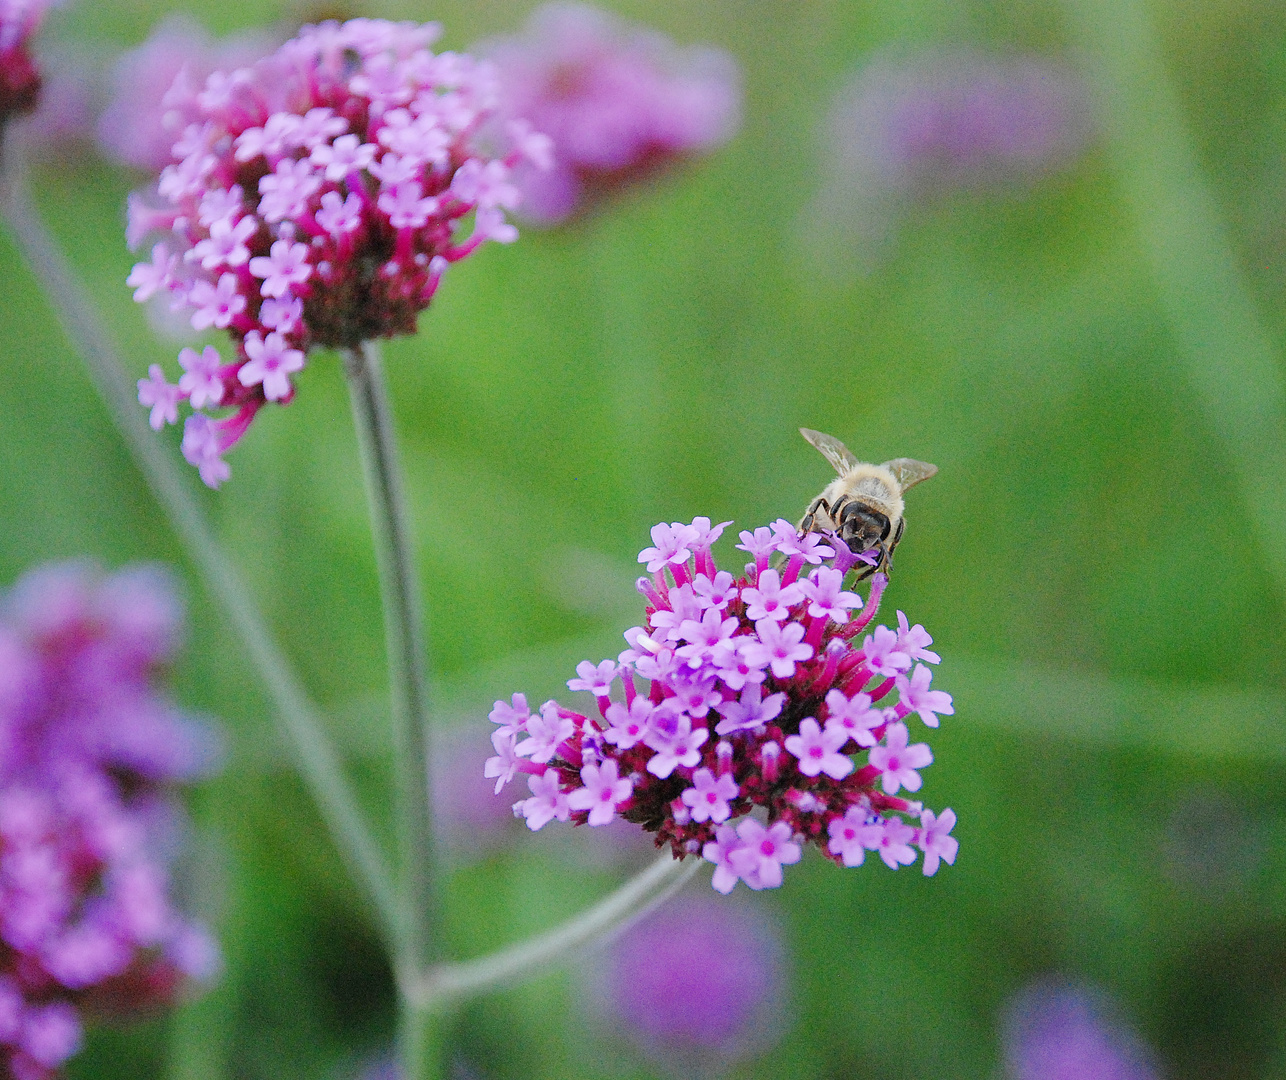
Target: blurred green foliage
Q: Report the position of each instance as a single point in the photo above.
(1083, 561)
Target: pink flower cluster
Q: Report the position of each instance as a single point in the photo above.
(88, 755)
(758, 691)
(316, 199)
(619, 102)
(19, 76)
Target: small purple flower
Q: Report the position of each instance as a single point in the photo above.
(936, 841)
(750, 712)
(547, 801)
(918, 698)
(768, 600)
(707, 798)
(897, 762)
(892, 838)
(827, 600)
(856, 715)
(603, 792)
(882, 655)
(818, 750)
(271, 363)
(781, 646)
(597, 680)
(545, 730)
(201, 380)
(763, 852)
(1062, 1032)
(512, 718)
(697, 986)
(161, 397)
(671, 545)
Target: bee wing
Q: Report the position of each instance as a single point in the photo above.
(908, 472)
(832, 450)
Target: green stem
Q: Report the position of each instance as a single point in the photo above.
(445, 983)
(1231, 360)
(408, 688)
(297, 717)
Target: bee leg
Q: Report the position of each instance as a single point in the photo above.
(806, 526)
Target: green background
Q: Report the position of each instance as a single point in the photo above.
(1086, 561)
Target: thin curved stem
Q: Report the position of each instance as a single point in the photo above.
(296, 715)
(408, 685)
(446, 983)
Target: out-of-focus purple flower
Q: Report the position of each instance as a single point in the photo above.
(749, 695)
(316, 198)
(619, 102)
(155, 87)
(89, 754)
(1061, 1032)
(911, 126)
(468, 816)
(19, 76)
(697, 985)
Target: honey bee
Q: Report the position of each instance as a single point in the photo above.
(864, 506)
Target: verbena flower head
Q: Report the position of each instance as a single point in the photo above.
(908, 127)
(1055, 1032)
(618, 101)
(19, 76)
(156, 86)
(760, 692)
(89, 754)
(697, 985)
(316, 199)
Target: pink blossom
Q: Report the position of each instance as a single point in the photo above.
(918, 698)
(846, 836)
(504, 764)
(935, 840)
(855, 715)
(597, 680)
(882, 655)
(705, 636)
(808, 547)
(628, 725)
(547, 801)
(720, 852)
(286, 265)
(201, 380)
(818, 750)
(511, 718)
(203, 447)
(735, 667)
(285, 314)
(147, 279)
(749, 712)
(769, 600)
(898, 762)
(824, 590)
(892, 838)
(913, 639)
(763, 853)
(781, 645)
(545, 730)
(603, 792)
(215, 304)
(676, 743)
(760, 544)
(272, 362)
(226, 244)
(716, 593)
(672, 545)
(709, 795)
(162, 397)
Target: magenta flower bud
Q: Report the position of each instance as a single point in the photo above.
(90, 754)
(742, 713)
(617, 102)
(315, 198)
(696, 986)
(1058, 1032)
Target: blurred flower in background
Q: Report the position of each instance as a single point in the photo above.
(315, 198)
(620, 103)
(1055, 1031)
(155, 87)
(89, 755)
(911, 127)
(19, 76)
(698, 985)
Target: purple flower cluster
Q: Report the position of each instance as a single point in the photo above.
(88, 755)
(316, 198)
(759, 690)
(19, 76)
(619, 103)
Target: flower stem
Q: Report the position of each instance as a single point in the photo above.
(296, 715)
(408, 687)
(1232, 362)
(443, 984)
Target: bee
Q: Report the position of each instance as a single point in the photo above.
(864, 506)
